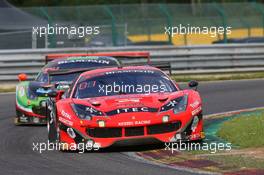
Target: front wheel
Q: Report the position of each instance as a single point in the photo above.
(52, 125)
(16, 118)
(16, 122)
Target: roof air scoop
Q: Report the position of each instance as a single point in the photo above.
(163, 99)
(96, 103)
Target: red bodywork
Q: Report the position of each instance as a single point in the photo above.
(108, 54)
(134, 120)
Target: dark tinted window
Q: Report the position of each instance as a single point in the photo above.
(63, 77)
(124, 82)
(42, 77)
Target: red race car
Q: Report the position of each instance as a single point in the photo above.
(117, 104)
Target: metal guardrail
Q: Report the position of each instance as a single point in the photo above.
(184, 60)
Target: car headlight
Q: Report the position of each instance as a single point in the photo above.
(178, 104)
(182, 105)
(43, 103)
(85, 112)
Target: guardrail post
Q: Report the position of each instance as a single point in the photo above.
(248, 28)
(50, 22)
(260, 9)
(168, 17)
(34, 40)
(224, 21)
(113, 22)
(78, 11)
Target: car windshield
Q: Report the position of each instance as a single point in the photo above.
(42, 77)
(63, 77)
(123, 82)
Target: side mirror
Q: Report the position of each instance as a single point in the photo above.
(22, 77)
(60, 94)
(193, 84)
(57, 94)
(53, 94)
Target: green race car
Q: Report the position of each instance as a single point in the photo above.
(59, 72)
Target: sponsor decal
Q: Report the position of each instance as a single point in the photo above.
(128, 100)
(129, 71)
(21, 91)
(93, 111)
(23, 119)
(66, 115)
(64, 86)
(130, 110)
(195, 104)
(90, 60)
(142, 122)
(125, 110)
(197, 110)
(67, 122)
(133, 123)
(43, 91)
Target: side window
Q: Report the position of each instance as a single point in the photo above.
(69, 91)
(42, 77)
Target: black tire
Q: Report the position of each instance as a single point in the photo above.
(16, 118)
(52, 124)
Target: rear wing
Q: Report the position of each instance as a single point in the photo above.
(116, 55)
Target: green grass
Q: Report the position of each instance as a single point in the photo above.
(217, 77)
(237, 161)
(244, 131)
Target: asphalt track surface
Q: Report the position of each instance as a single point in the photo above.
(17, 156)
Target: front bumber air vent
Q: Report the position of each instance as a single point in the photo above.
(163, 128)
(104, 132)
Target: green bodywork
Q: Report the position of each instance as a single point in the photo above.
(22, 97)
